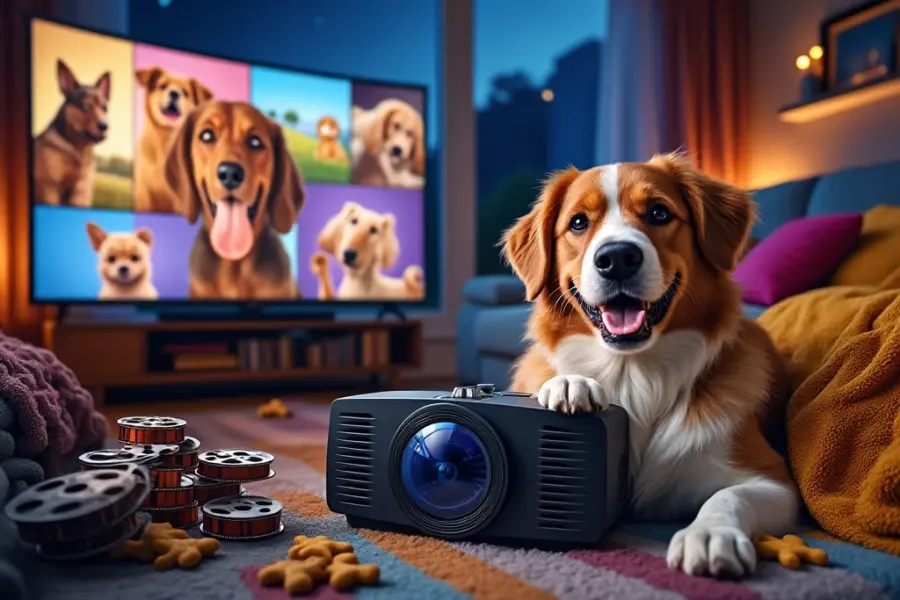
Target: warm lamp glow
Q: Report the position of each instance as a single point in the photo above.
(547, 95)
(816, 52)
(803, 62)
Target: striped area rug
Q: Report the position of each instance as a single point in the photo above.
(629, 566)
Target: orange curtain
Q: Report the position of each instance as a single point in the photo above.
(17, 316)
(706, 45)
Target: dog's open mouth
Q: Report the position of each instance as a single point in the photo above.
(231, 234)
(623, 319)
(171, 111)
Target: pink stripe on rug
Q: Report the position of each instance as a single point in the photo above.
(323, 591)
(654, 571)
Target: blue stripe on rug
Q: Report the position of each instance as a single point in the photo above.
(878, 568)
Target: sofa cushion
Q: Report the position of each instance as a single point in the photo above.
(494, 290)
(877, 254)
(500, 330)
(779, 204)
(798, 256)
(856, 190)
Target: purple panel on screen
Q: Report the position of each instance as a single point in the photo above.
(367, 96)
(170, 251)
(323, 201)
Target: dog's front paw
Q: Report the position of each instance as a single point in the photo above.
(572, 394)
(712, 550)
(318, 264)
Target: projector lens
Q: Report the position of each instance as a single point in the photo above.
(445, 470)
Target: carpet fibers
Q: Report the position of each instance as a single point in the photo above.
(630, 565)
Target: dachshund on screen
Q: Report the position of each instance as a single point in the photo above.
(364, 242)
(231, 167)
(388, 146)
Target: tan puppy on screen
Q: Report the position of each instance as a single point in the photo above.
(388, 146)
(123, 261)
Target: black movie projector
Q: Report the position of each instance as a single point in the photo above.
(475, 463)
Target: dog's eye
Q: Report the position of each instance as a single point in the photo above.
(254, 143)
(659, 214)
(110, 259)
(578, 223)
(354, 221)
(207, 136)
(396, 126)
(135, 258)
(373, 230)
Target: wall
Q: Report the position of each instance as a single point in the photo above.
(458, 172)
(781, 31)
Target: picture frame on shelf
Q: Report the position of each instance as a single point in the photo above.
(861, 45)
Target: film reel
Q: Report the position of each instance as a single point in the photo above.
(207, 490)
(235, 465)
(186, 457)
(164, 477)
(151, 430)
(242, 518)
(184, 517)
(72, 506)
(173, 497)
(126, 529)
(127, 455)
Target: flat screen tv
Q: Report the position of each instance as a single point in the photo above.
(164, 176)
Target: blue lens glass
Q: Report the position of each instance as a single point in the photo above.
(445, 470)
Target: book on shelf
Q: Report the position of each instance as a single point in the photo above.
(204, 362)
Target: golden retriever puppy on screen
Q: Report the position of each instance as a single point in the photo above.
(388, 146)
(123, 261)
(364, 243)
(168, 98)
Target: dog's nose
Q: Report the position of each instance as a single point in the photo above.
(396, 151)
(350, 257)
(618, 261)
(102, 126)
(173, 95)
(123, 270)
(231, 175)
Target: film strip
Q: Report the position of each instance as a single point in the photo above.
(242, 518)
(184, 517)
(235, 465)
(187, 456)
(78, 505)
(207, 490)
(151, 430)
(130, 527)
(164, 477)
(171, 497)
(126, 455)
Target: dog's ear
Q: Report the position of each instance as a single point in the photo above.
(328, 237)
(179, 170)
(391, 251)
(723, 214)
(104, 85)
(287, 194)
(65, 78)
(419, 150)
(528, 246)
(200, 92)
(373, 137)
(148, 77)
(96, 235)
(145, 235)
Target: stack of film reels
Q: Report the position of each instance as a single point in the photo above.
(190, 488)
(82, 514)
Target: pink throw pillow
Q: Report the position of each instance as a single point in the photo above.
(797, 257)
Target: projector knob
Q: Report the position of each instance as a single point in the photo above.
(486, 389)
(465, 391)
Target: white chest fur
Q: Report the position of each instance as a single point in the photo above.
(675, 465)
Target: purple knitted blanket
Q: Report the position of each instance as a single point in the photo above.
(55, 416)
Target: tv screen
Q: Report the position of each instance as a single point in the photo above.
(159, 175)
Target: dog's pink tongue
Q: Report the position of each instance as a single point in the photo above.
(232, 233)
(621, 320)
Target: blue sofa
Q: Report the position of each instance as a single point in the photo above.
(491, 322)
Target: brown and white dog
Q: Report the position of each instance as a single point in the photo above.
(629, 268)
(388, 146)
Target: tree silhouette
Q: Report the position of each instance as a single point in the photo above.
(506, 86)
(272, 115)
(291, 117)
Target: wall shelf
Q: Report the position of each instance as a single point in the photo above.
(833, 103)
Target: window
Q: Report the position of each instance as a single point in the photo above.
(537, 74)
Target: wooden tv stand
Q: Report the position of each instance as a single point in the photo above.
(159, 353)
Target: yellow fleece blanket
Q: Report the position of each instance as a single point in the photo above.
(841, 346)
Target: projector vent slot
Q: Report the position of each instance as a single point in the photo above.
(354, 457)
(623, 481)
(562, 479)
